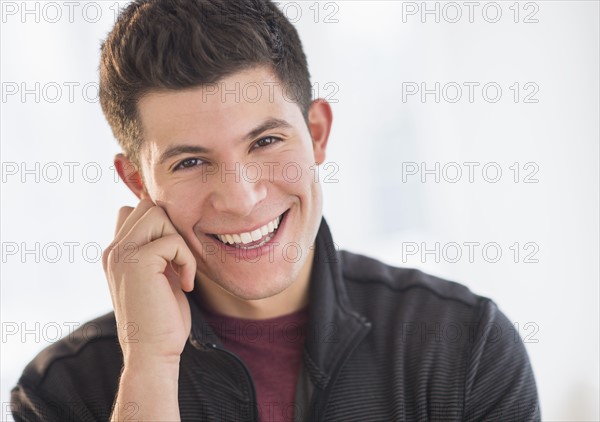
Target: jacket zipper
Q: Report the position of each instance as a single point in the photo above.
(248, 376)
(322, 402)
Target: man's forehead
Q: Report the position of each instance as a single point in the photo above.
(257, 86)
(237, 123)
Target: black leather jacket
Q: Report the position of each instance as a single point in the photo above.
(383, 344)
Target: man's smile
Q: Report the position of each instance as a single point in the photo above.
(252, 238)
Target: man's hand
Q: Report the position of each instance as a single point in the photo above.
(147, 266)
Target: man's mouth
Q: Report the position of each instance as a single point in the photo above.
(253, 239)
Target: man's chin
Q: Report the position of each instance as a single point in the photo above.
(255, 286)
(249, 294)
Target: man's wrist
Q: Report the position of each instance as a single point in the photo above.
(164, 367)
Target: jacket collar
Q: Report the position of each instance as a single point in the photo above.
(333, 324)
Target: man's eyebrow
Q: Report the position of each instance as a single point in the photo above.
(267, 125)
(175, 150)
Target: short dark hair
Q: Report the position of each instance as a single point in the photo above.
(160, 45)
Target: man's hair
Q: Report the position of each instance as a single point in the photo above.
(159, 45)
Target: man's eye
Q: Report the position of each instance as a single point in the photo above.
(188, 163)
(266, 141)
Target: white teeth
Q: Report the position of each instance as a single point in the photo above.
(256, 234)
(263, 233)
(246, 238)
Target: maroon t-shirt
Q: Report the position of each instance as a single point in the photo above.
(272, 351)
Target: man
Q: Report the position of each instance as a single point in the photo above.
(230, 300)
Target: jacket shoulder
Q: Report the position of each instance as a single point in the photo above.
(364, 272)
(93, 343)
(444, 338)
(73, 379)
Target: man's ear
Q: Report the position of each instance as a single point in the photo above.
(131, 175)
(320, 118)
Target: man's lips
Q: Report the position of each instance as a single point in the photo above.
(255, 237)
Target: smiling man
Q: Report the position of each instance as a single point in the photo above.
(230, 300)
(234, 176)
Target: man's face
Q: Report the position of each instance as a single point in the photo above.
(232, 159)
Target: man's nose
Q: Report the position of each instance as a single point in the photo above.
(235, 192)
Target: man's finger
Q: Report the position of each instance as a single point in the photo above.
(123, 214)
(172, 248)
(129, 216)
(154, 224)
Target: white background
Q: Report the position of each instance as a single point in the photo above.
(374, 207)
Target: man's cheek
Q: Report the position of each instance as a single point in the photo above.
(185, 228)
(208, 250)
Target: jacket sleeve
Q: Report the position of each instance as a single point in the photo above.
(499, 383)
(28, 404)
